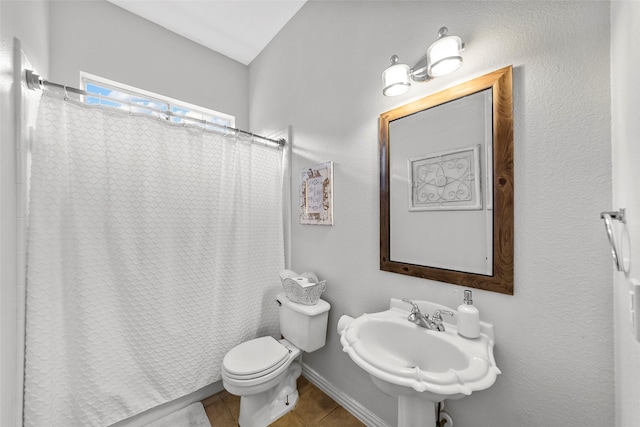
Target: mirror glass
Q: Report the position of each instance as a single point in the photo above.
(446, 210)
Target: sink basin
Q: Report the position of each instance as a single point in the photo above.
(414, 363)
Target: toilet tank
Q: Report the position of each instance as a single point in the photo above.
(305, 326)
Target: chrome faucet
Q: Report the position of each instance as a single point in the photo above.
(416, 316)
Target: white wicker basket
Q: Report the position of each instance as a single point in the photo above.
(309, 294)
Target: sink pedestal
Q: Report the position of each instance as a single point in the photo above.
(414, 411)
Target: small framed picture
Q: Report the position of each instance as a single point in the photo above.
(316, 194)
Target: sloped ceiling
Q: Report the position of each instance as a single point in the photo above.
(239, 29)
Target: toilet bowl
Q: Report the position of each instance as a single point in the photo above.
(257, 365)
(264, 371)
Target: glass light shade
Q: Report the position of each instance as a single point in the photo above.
(443, 56)
(395, 80)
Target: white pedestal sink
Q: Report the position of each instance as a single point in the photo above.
(418, 366)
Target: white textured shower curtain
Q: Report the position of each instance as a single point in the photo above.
(152, 251)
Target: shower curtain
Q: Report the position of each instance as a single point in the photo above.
(153, 249)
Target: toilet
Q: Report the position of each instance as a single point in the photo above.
(263, 371)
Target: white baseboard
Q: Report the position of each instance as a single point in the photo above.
(356, 409)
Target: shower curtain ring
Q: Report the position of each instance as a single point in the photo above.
(66, 94)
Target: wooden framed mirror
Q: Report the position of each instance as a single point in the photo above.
(446, 185)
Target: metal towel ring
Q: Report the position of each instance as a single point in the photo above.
(608, 218)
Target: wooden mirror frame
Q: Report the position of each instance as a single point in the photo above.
(501, 280)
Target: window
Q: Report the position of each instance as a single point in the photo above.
(118, 95)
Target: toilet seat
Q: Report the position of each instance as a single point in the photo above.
(255, 358)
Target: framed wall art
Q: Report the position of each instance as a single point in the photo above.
(316, 194)
(449, 180)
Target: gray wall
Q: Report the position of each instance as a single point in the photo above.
(100, 38)
(625, 104)
(322, 75)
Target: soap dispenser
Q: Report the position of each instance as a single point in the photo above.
(468, 318)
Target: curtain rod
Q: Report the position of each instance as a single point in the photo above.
(35, 82)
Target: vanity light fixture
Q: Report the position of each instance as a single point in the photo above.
(442, 57)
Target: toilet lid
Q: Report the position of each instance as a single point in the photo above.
(255, 358)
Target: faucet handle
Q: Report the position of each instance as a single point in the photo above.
(437, 315)
(415, 308)
(437, 319)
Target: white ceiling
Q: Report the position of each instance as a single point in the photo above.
(239, 29)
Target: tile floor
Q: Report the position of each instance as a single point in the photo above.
(314, 409)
